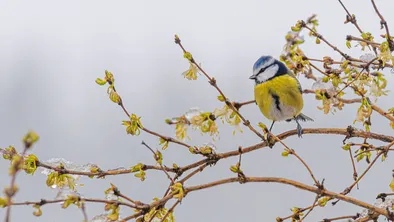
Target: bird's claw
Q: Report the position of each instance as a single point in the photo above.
(300, 131)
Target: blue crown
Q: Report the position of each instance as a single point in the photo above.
(262, 60)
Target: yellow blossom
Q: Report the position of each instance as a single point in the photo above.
(164, 143)
(30, 138)
(191, 73)
(60, 180)
(392, 185)
(38, 211)
(181, 130)
(109, 77)
(114, 215)
(30, 164)
(197, 121)
(230, 116)
(3, 202)
(134, 125)
(385, 53)
(178, 191)
(207, 149)
(209, 126)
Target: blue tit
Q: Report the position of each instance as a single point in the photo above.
(278, 92)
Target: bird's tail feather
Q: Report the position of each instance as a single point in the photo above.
(301, 117)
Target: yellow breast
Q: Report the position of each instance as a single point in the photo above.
(279, 98)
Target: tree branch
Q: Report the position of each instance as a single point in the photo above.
(294, 184)
(11, 190)
(384, 23)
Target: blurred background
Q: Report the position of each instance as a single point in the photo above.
(52, 52)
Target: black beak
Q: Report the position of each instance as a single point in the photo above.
(253, 77)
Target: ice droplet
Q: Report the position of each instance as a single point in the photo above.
(192, 112)
(65, 192)
(54, 162)
(68, 165)
(387, 204)
(103, 218)
(367, 57)
(100, 218)
(319, 84)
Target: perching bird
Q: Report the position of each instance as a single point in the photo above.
(278, 92)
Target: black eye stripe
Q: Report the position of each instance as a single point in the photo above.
(263, 69)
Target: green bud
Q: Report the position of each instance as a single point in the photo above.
(221, 98)
(346, 146)
(348, 44)
(101, 82)
(188, 56)
(285, 153)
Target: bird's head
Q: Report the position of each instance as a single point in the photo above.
(266, 68)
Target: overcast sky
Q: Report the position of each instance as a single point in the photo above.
(51, 52)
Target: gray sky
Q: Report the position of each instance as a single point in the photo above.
(51, 53)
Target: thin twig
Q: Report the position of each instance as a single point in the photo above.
(306, 166)
(344, 55)
(292, 151)
(300, 210)
(349, 188)
(83, 209)
(382, 112)
(340, 218)
(201, 168)
(238, 105)
(166, 138)
(170, 210)
(10, 192)
(146, 145)
(321, 71)
(351, 18)
(129, 199)
(384, 23)
(372, 43)
(157, 159)
(313, 206)
(212, 81)
(355, 175)
(153, 216)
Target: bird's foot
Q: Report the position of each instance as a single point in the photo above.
(300, 131)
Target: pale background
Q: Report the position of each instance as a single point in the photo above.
(51, 53)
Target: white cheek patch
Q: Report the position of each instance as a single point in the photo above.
(268, 73)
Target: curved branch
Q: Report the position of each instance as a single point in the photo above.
(294, 184)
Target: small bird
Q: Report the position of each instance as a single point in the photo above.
(278, 92)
